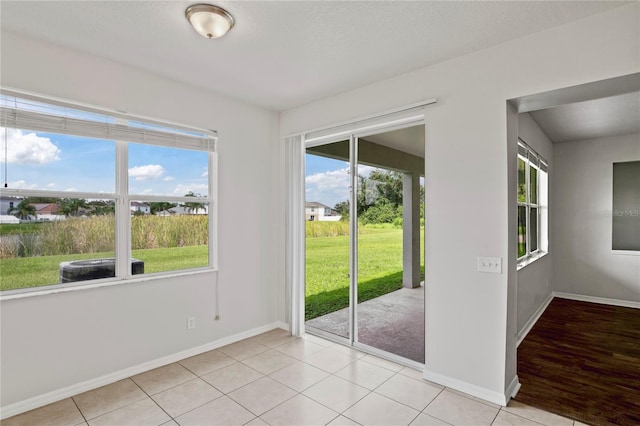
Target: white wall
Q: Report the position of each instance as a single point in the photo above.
(470, 342)
(535, 280)
(583, 260)
(50, 342)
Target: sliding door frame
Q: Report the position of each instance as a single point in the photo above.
(399, 118)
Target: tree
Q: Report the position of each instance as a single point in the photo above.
(23, 210)
(388, 185)
(379, 198)
(161, 206)
(101, 207)
(72, 206)
(192, 207)
(342, 208)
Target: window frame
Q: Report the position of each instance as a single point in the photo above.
(532, 160)
(121, 196)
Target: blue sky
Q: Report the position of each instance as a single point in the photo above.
(46, 161)
(327, 180)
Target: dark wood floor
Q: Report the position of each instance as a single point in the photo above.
(582, 360)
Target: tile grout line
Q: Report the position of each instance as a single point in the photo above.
(522, 417)
(430, 402)
(115, 409)
(154, 401)
(79, 410)
(494, 418)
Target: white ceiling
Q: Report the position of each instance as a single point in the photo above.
(597, 118)
(284, 54)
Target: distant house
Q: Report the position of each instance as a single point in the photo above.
(143, 208)
(46, 212)
(6, 218)
(181, 210)
(315, 211)
(7, 203)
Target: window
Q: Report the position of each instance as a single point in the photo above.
(101, 195)
(625, 214)
(532, 204)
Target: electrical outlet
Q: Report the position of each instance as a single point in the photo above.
(191, 323)
(490, 264)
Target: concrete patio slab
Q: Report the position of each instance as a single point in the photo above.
(393, 322)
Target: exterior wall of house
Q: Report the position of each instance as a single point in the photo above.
(471, 320)
(6, 203)
(320, 213)
(140, 207)
(41, 351)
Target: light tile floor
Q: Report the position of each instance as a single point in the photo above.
(275, 379)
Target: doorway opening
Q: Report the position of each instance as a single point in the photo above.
(364, 241)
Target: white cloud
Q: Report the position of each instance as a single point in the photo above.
(148, 172)
(196, 188)
(205, 173)
(329, 180)
(365, 170)
(27, 148)
(332, 186)
(21, 184)
(51, 185)
(328, 187)
(71, 189)
(168, 178)
(147, 191)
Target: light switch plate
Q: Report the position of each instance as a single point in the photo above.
(490, 264)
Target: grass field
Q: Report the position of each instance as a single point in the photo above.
(327, 270)
(22, 228)
(44, 270)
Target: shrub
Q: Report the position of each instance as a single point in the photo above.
(96, 234)
(169, 231)
(326, 229)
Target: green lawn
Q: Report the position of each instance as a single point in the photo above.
(327, 270)
(44, 270)
(19, 228)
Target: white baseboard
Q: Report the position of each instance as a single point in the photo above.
(66, 392)
(281, 324)
(473, 390)
(513, 388)
(534, 318)
(594, 299)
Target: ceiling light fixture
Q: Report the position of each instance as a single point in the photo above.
(208, 20)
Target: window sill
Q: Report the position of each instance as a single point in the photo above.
(530, 259)
(83, 285)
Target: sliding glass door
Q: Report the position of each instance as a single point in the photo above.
(327, 242)
(364, 284)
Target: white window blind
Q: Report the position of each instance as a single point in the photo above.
(29, 113)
